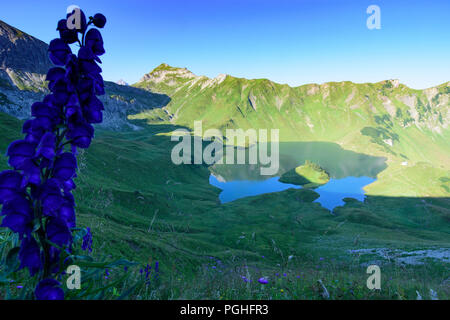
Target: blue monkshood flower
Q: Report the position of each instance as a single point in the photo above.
(69, 185)
(81, 135)
(59, 52)
(10, 185)
(18, 215)
(54, 75)
(263, 280)
(67, 35)
(32, 173)
(85, 89)
(65, 167)
(60, 93)
(20, 152)
(74, 112)
(86, 54)
(35, 129)
(99, 20)
(67, 213)
(58, 232)
(87, 240)
(49, 289)
(90, 68)
(99, 86)
(94, 41)
(46, 147)
(51, 198)
(92, 110)
(30, 255)
(72, 73)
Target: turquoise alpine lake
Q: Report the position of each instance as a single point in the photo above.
(331, 194)
(349, 173)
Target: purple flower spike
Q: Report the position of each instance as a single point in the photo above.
(35, 198)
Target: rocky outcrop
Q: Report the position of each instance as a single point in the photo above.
(23, 65)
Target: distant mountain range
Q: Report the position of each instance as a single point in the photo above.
(122, 82)
(229, 101)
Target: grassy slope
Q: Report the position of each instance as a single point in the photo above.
(141, 206)
(359, 117)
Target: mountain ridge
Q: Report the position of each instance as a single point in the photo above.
(166, 67)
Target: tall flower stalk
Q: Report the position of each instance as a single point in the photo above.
(36, 196)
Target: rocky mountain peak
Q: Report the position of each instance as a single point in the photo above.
(122, 82)
(163, 72)
(22, 52)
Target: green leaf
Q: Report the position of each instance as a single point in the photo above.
(12, 260)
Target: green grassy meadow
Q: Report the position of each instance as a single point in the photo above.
(142, 207)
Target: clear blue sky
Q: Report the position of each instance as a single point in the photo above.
(294, 42)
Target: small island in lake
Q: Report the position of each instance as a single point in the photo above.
(308, 175)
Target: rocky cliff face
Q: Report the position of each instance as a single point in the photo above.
(24, 63)
(23, 59)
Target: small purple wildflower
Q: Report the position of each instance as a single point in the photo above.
(263, 280)
(156, 270)
(148, 270)
(284, 275)
(19, 287)
(87, 240)
(245, 279)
